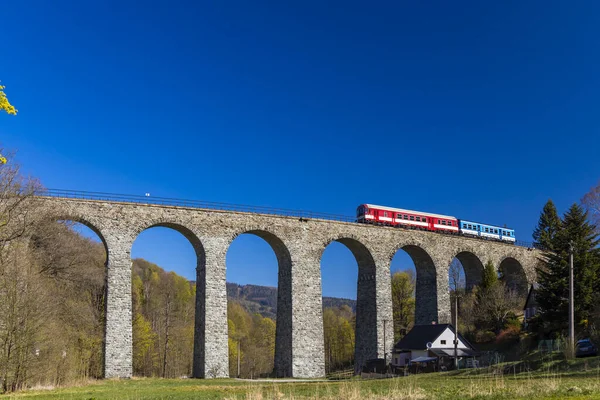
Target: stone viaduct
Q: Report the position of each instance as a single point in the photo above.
(298, 244)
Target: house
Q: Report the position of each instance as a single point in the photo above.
(531, 306)
(432, 345)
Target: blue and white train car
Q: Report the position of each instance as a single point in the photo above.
(485, 231)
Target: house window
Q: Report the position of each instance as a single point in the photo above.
(442, 341)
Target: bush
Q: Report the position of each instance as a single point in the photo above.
(512, 321)
(485, 337)
(509, 334)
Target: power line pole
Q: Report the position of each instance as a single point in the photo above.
(571, 302)
(455, 328)
(238, 359)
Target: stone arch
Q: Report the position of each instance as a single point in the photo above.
(280, 249)
(199, 323)
(473, 267)
(363, 256)
(283, 329)
(84, 221)
(427, 288)
(513, 274)
(366, 336)
(181, 228)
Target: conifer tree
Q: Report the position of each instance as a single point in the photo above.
(547, 228)
(553, 292)
(490, 276)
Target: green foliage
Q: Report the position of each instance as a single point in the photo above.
(547, 228)
(163, 321)
(338, 324)
(255, 335)
(403, 303)
(490, 277)
(553, 293)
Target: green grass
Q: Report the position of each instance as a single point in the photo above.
(553, 379)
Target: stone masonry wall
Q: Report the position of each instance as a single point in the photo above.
(298, 245)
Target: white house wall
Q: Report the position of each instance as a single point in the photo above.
(448, 336)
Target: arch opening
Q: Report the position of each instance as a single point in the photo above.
(165, 259)
(472, 269)
(426, 286)
(339, 278)
(365, 328)
(512, 273)
(258, 270)
(404, 279)
(63, 273)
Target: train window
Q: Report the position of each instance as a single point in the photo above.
(424, 219)
(495, 230)
(443, 222)
(418, 219)
(405, 216)
(412, 218)
(385, 213)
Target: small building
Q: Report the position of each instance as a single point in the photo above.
(432, 345)
(531, 307)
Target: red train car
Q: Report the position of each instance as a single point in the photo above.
(381, 215)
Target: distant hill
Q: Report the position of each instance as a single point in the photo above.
(263, 299)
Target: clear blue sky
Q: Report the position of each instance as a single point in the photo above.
(482, 110)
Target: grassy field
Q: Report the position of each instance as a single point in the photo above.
(552, 378)
(431, 386)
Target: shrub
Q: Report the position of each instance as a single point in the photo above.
(511, 333)
(485, 336)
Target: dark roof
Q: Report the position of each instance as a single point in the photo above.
(450, 352)
(420, 335)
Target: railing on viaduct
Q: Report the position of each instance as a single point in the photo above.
(166, 201)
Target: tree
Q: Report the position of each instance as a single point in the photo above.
(490, 277)
(403, 302)
(553, 292)
(456, 276)
(9, 109)
(547, 227)
(5, 104)
(339, 337)
(456, 281)
(591, 202)
(495, 305)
